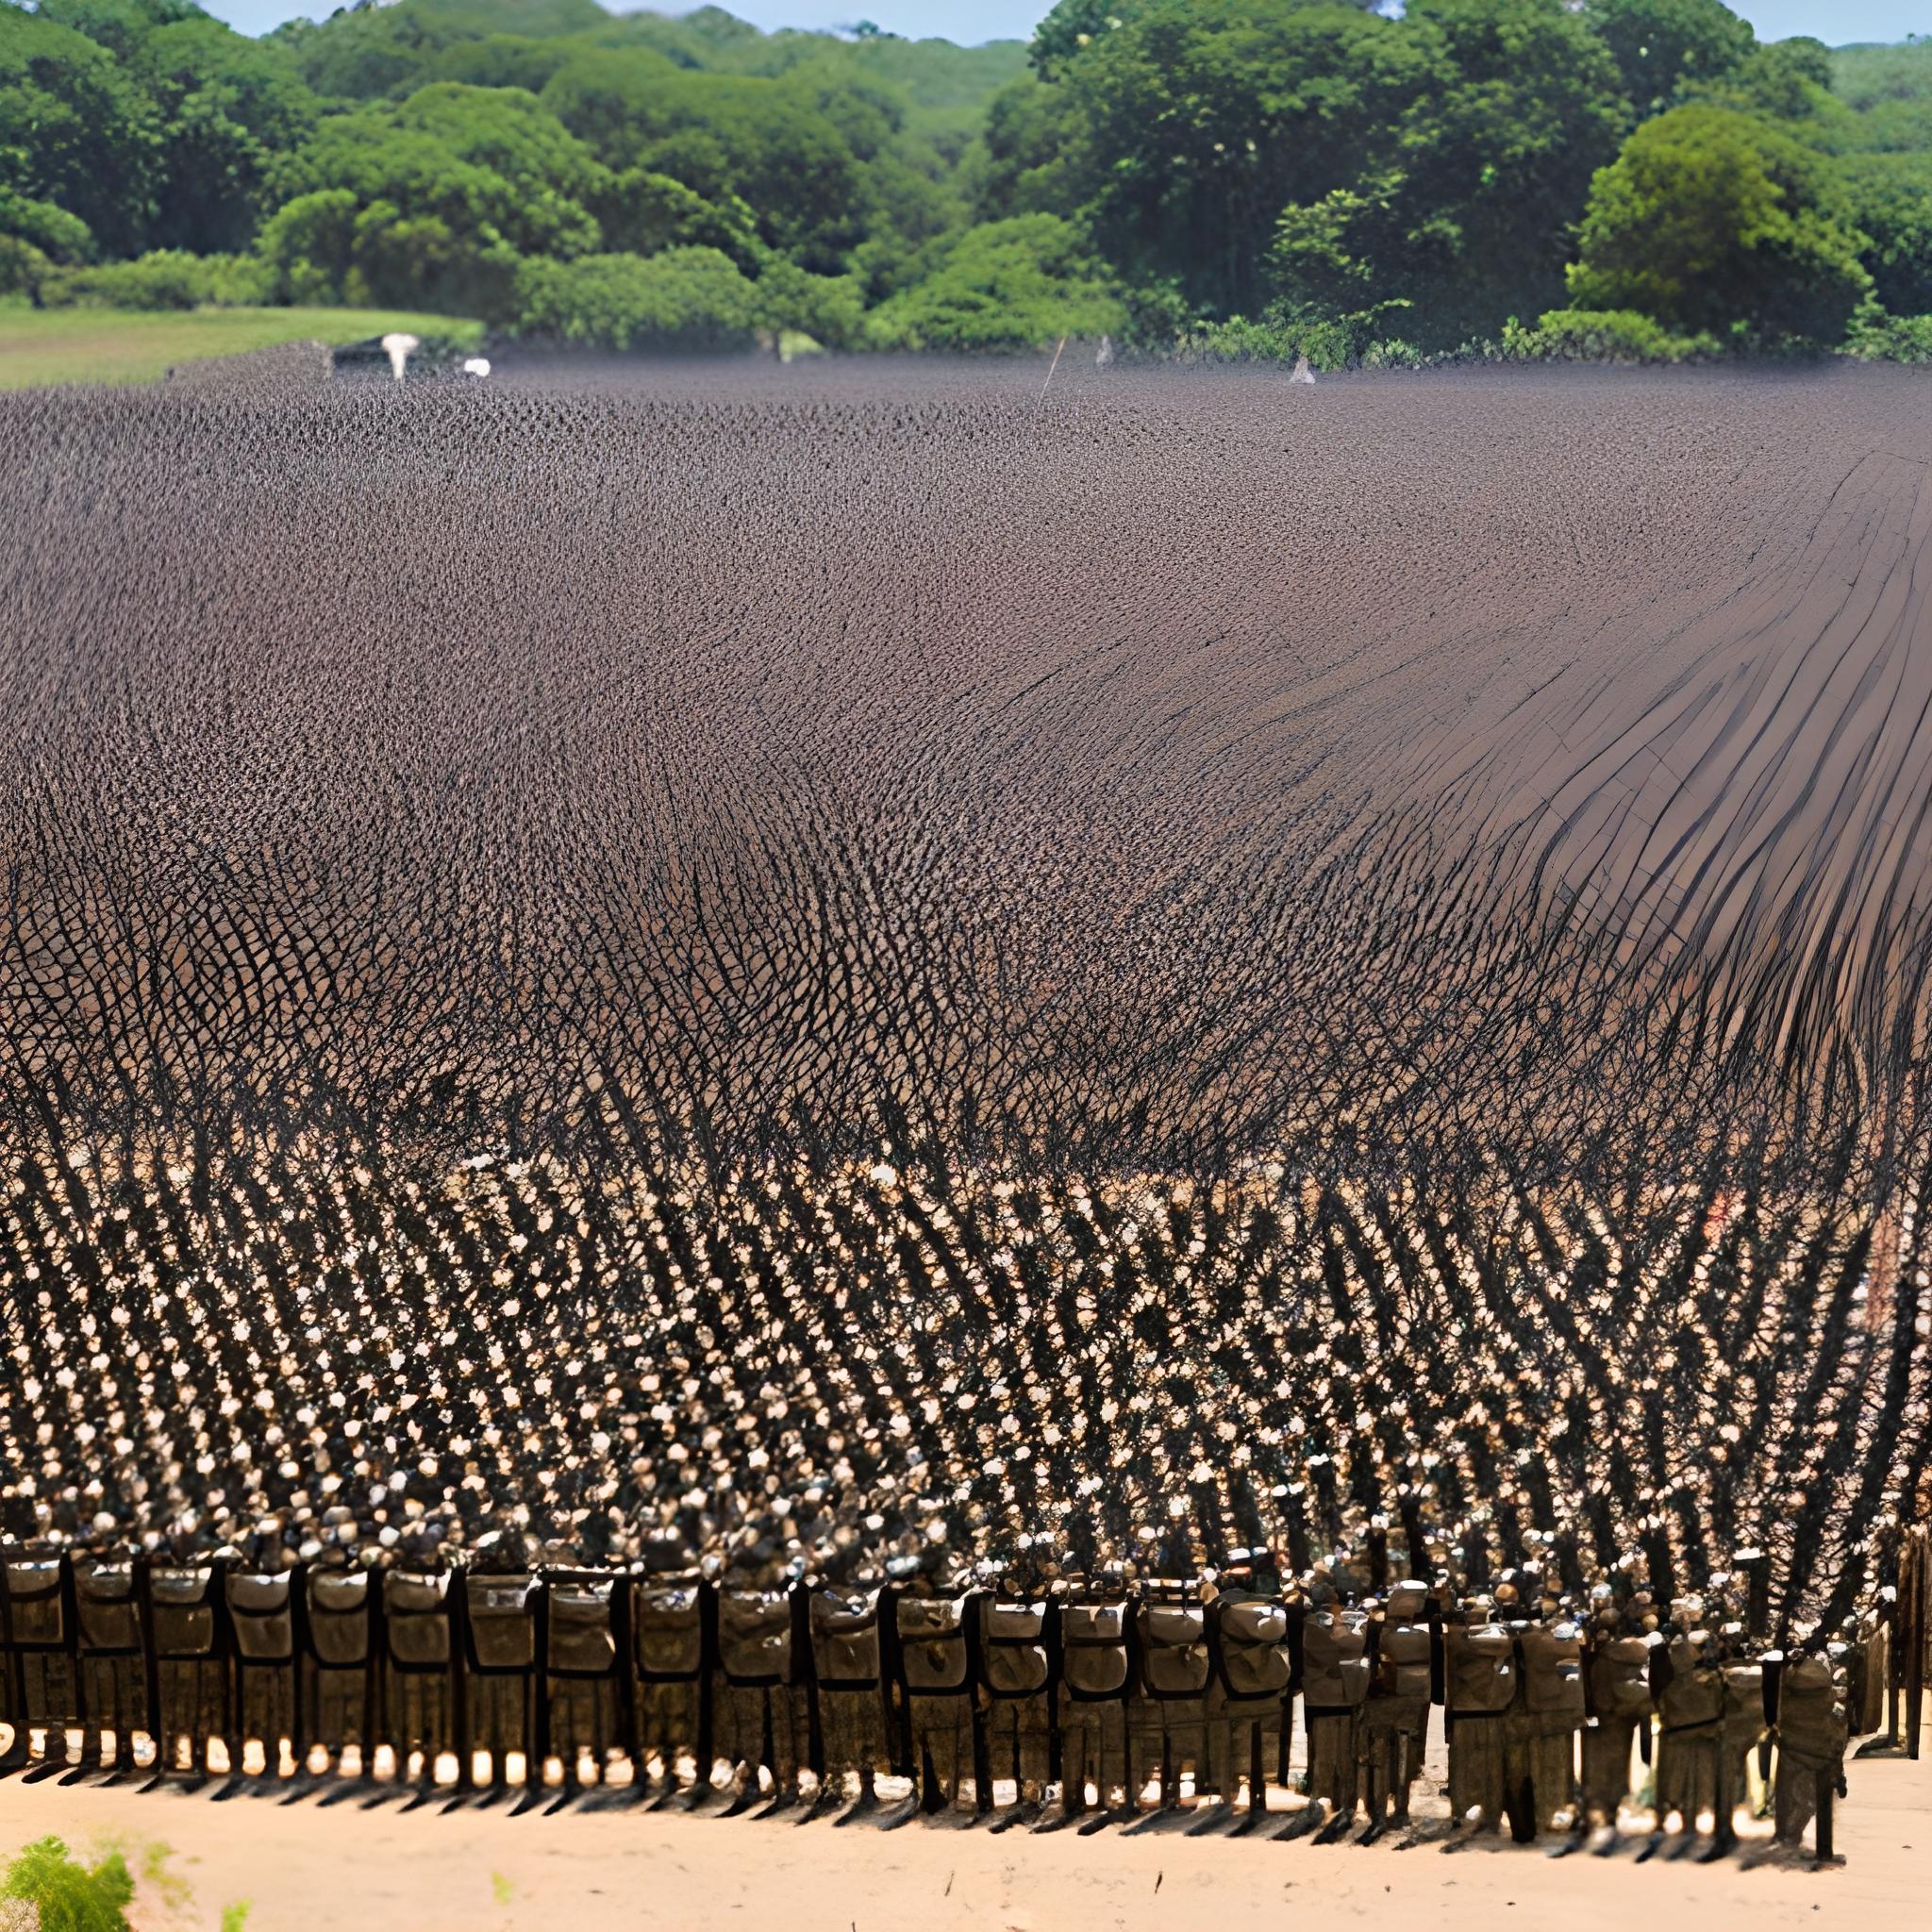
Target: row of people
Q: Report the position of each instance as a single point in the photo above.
(1094, 1693)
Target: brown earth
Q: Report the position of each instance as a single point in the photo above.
(305, 1870)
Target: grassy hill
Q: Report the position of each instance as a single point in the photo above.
(39, 346)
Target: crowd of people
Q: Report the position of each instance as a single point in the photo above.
(841, 980)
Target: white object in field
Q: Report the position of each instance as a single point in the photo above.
(1302, 371)
(398, 347)
(1103, 356)
(476, 365)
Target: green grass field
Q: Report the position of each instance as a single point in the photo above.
(45, 345)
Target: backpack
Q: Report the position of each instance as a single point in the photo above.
(1620, 1679)
(932, 1644)
(339, 1617)
(262, 1610)
(669, 1638)
(1553, 1670)
(1813, 1720)
(184, 1613)
(1402, 1663)
(579, 1637)
(1252, 1633)
(36, 1617)
(1695, 1694)
(1174, 1660)
(1012, 1653)
(417, 1615)
(1334, 1663)
(846, 1638)
(755, 1635)
(1094, 1651)
(108, 1614)
(1482, 1669)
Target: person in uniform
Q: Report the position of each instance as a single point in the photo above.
(261, 1613)
(1544, 1720)
(192, 1669)
(500, 1616)
(849, 1682)
(338, 1665)
(40, 1686)
(1254, 1668)
(417, 1711)
(1617, 1682)
(936, 1622)
(762, 1726)
(1097, 1681)
(1689, 1687)
(112, 1657)
(1168, 1719)
(1336, 1668)
(1813, 1725)
(585, 1694)
(1395, 1717)
(674, 1634)
(1480, 1678)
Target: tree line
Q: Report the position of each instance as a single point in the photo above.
(1636, 177)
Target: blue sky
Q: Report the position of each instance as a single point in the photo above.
(967, 21)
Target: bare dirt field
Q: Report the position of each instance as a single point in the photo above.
(304, 1870)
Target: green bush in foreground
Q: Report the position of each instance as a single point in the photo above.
(70, 1896)
(1877, 337)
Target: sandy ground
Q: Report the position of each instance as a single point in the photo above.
(306, 1869)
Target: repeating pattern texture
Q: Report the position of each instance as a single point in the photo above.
(878, 964)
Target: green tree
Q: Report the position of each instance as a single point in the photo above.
(1196, 122)
(434, 201)
(231, 108)
(1004, 285)
(1029, 130)
(1709, 218)
(1892, 203)
(1496, 158)
(489, 163)
(1071, 28)
(1787, 80)
(641, 213)
(1447, 189)
(76, 129)
(309, 244)
(35, 238)
(504, 60)
(365, 53)
(763, 141)
(59, 236)
(1661, 47)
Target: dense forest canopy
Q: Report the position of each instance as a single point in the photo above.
(1270, 176)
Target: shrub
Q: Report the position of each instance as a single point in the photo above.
(1877, 337)
(686, 299)
(1014, 284)
(1601, 335)
(68, 1896)
(791, 301)
(167, 278)
(1282, 335)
